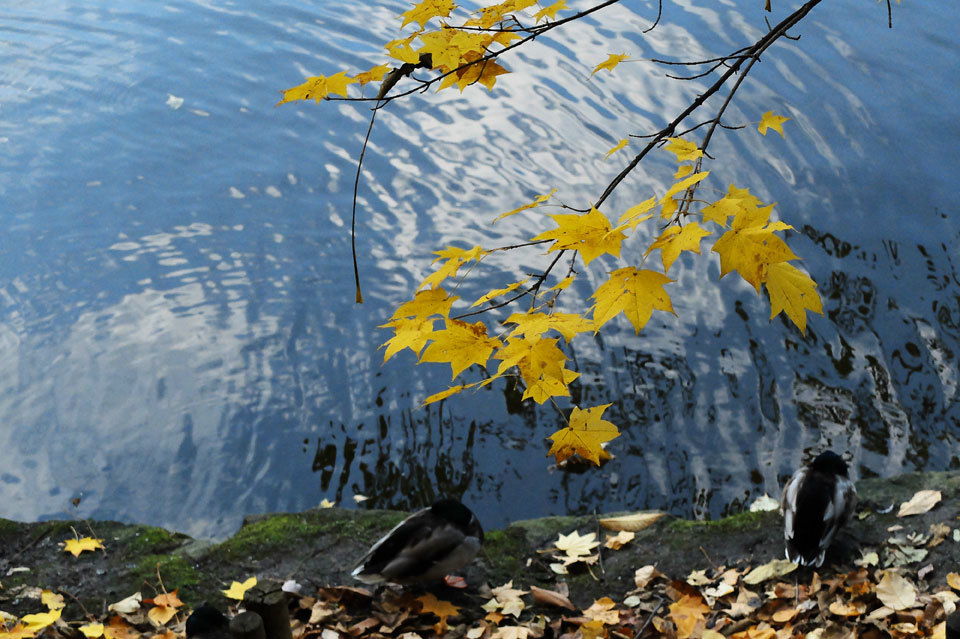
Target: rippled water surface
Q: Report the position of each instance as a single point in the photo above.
(178, 340)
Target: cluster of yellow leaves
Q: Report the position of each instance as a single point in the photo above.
(461, 54)
(127, 614)
(749, 245)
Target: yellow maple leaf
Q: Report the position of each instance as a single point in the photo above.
(443, 609)
(404, 53)
(602, 610)
(237, 589)
(750, 246)
(77, 546)
(593, 629)
(120, 629)
(550, 12)
(684, 184)
(92, 630)
(52, 600)
(536, 324)
(454, 258)
(318, 87)
(622, 143)
(683, 149)
(775, 122)
(427, 9)
(670, 206)
(39, 621)
(589, 233)
(584, 436)
(19, 631)
(484, 72)
(793, 291)
(575, 544)
(489, 295)
(373, 75)
(408, 333)
(636, 214)
(461, 345)
(541, 366)
(562, 284)
(682, 171)
(613, 60)
(686, 613)
(675, 239)
(634, 292)
(160, 615)
(434, 301)
(537, 201)
(453, 390)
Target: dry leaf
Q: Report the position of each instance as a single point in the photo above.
(551, 598)
(920, 503)
(633, 523)
(616, 542)
(775, 568)
(764, 503)
(896, 592)
(645, 575)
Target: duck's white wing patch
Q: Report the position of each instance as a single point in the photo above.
(789, 502)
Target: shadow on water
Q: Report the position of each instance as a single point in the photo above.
(178, 343)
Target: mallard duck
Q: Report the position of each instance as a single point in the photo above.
(817, 501)
(429, 544)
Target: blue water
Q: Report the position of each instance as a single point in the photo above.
(178, 340)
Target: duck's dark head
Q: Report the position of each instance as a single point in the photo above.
(459, 515)
(829, 462)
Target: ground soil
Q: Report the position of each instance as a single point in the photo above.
(319, 548)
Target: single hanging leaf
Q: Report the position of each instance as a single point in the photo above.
(635, 293)
(584, 436)
(424, 11)
(793, 291)
(636, 214)
(424, 303)
(683, 149)
(622, 143)
(675, 239)
(453, 258)
(461, 345)
(498, 292)
(453, 390)
(684, 184)
(373, 75)
(611, 62)
(318, 87)
(771, 121)
(536, 324)
(540, 199)
(589, 233)
(408, 333)
(550, 12)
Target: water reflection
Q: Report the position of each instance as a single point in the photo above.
(178, 342)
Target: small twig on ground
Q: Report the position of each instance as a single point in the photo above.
(650, 618)
(710, 561)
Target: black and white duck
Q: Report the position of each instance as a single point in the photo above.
(429, 544)
(817, 501)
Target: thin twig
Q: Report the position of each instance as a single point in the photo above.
(650, 618)
(353, 217)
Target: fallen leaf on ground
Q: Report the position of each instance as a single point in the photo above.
(634, 522)
(896, 592)
(551, 598)
(920, 503)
